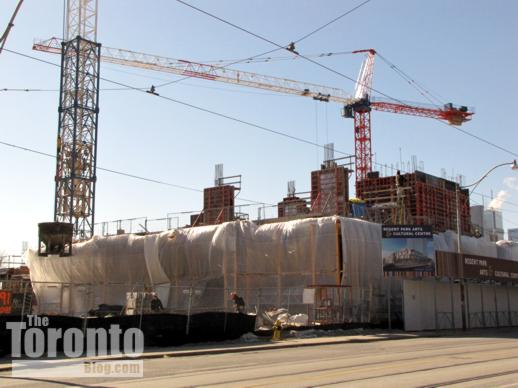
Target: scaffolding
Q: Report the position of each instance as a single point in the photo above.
(416, 198)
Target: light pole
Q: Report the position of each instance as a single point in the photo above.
(460, 260)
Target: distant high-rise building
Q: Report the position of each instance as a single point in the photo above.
(512, 234)
(493, 225)
(477, 219)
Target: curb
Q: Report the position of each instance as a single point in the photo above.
(277, 345)
(237, 349)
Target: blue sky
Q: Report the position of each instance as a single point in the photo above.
(462, 50)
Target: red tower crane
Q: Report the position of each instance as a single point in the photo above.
(357, 106)
(360, 110)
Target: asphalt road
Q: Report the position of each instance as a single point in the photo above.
(484, 361)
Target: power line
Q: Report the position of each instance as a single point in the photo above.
(257, 126)
(481, 139)
(152, 180)
(54, 90)
(227, 90)
(340, 74)
(279, 47)
(261, 127)
(122, 173)
(332, 21)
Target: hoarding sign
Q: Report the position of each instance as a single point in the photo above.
(5, 302)
(408, 248)
(481, 268)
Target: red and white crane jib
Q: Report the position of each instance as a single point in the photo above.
(357, 106)
(210, 72)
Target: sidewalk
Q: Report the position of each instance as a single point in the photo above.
(249, 343)
(268, 344)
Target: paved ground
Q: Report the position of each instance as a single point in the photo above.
(486, 359)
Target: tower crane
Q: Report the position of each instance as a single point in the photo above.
(357, 106)
(78, 112)
(360, 111)
(79, 99)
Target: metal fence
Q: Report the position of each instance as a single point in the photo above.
(11, 261)
(312, 305)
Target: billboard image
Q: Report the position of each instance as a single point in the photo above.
(408, 248)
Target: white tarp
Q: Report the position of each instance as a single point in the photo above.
(447, 242)
(101, 271)
(507, 250)
(261, 263)
(268, 265)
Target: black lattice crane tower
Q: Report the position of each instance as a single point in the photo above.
(78, 117)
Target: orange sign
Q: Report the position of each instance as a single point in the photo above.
(5, 302)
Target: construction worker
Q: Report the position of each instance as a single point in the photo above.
(239, 303)
(156, 304)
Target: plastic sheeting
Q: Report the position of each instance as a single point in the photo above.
(447, 242)
(195, 269)
(507, 250)
(255, 261)
(101, 270)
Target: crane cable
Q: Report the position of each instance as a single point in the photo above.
(260, 59)
(193, 106)
(425, 92)
(280, 133)
(267, 52)
(344, 76)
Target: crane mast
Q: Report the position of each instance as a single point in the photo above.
(75, 177)
(362, 117)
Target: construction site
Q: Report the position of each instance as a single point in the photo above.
(327, 257)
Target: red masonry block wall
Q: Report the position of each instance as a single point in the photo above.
(330, 191)
(429, 201)
(292, 206)
(218, 204)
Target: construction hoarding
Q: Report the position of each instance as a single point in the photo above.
(479, 268)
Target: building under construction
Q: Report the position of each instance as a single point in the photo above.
(330, 190)
(415, 198)
(219, 200)
(292, 205)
